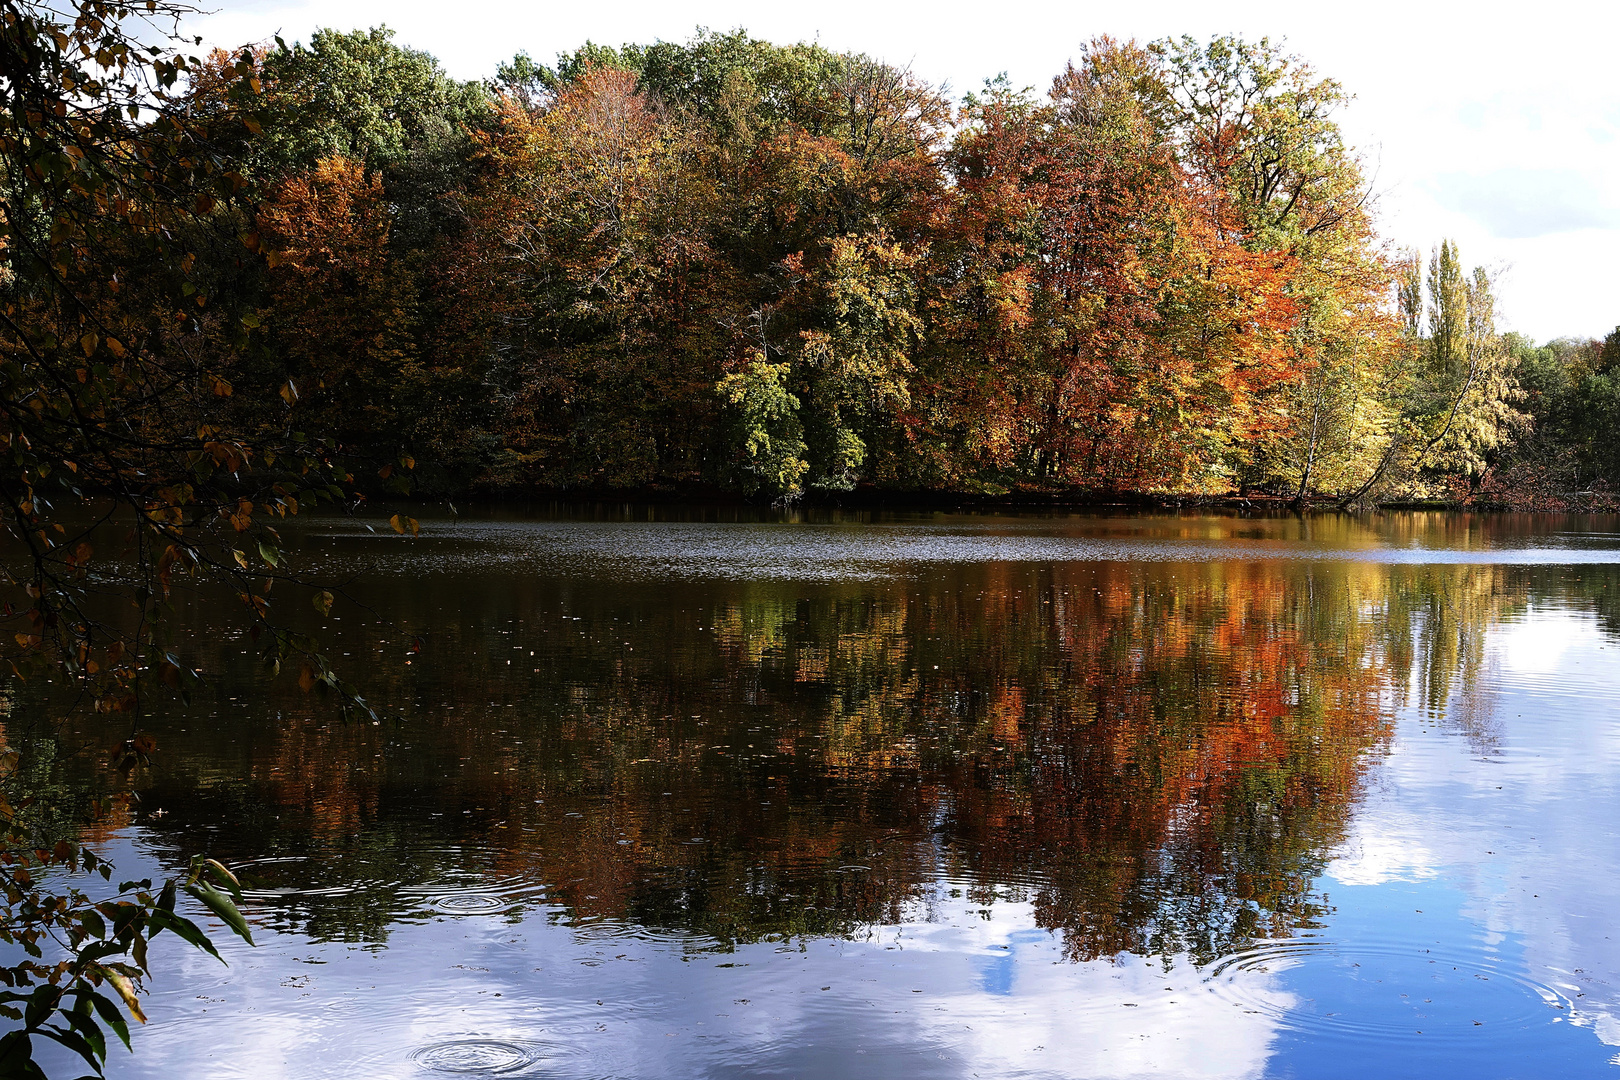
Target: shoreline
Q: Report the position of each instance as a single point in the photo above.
(925, 501)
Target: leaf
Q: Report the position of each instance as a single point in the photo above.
(75, 1042)
(82, 1021)
(398, 523)
(268, 552)
(16, 1056)
(222, 873)
(93, 924)
(110, 1016)
(221, 905)
(306, 678)
(126, 990)
(185, 930)
(323, 602)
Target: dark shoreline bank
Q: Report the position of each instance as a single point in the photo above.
(926, 501)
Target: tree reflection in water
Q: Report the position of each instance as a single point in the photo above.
(1157, 756)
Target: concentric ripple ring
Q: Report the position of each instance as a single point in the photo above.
(476, 1057)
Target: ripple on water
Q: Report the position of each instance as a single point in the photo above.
(489, 1055)
(1386, 990)
(296, 877)
(619, 930)
(477, 1057)
(471, 894)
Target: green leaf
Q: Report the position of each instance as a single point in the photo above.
(223, 875)
(93, 924)
(111, 1017)
(85, 1024)
(221, 905)
(17, 1056)
(185, 930)
(268, 552)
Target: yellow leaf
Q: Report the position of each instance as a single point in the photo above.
(88, 343)
(398, 524)
(126, 990)
(306, 679)
(221, 870)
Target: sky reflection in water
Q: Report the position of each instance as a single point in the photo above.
(1068, 797)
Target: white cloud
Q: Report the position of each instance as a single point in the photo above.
(1517, 204)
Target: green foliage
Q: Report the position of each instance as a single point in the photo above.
(1448, 314)
(358, 95)
(1260, 122)
(766, 430)
(857, 367)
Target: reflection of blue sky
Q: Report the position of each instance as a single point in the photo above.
(1498, 825)
(952, 996)
(1407, 984)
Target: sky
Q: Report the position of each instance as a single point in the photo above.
(1491, 124)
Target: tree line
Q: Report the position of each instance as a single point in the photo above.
(730, 265)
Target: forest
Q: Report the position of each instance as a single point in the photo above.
(728, 266)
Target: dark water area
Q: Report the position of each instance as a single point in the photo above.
(865, 796)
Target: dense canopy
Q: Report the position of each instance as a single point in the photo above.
(728, 265)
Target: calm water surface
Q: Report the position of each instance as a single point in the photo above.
(921, 797)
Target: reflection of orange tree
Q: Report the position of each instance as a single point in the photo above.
(1158, 756)
(1188, 760)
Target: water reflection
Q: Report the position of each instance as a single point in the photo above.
(1044, 817)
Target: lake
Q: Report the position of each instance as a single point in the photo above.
(686, 793)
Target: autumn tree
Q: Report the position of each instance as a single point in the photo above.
(342, 309)
(1454, 397)
(597, 210)
(1259, 125)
